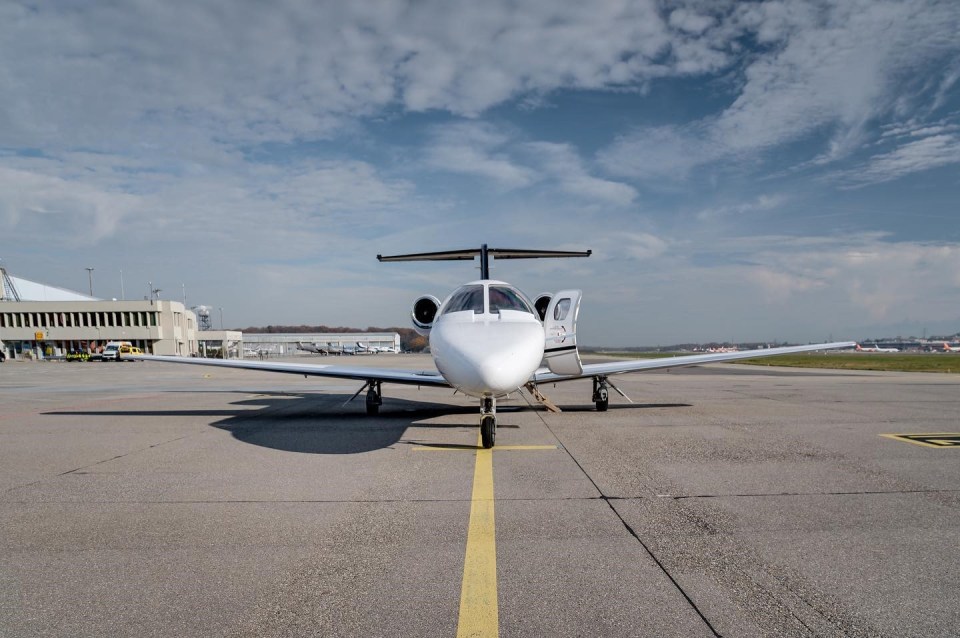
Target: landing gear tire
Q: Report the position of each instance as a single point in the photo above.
(374, 399)
(488, 430)
(603, 402)
(600, 395)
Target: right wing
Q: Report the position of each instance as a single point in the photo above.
(543, 375)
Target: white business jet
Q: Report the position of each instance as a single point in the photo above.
(488, 340)
(315, 348)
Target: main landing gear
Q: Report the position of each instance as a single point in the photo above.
(374, 398)
(600, 395)
(488, 421)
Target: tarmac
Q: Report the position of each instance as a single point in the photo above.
(146, 499)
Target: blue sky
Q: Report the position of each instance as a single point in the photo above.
(742, 171)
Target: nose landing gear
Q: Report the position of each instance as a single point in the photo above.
(488, 422)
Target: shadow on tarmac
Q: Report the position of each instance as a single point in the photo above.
(312, 423)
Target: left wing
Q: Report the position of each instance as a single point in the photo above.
(389, 375)
(543, 375)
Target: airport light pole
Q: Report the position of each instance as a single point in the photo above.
(221, 318)
(90, 277)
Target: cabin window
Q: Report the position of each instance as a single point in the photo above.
(561, 309)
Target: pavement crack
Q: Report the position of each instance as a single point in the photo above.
(120, 456)
(633, 532)
(782, 494)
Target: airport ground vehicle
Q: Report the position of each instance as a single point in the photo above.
(77, 355)
(119, 350)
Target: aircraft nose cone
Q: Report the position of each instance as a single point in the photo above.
(484, 359)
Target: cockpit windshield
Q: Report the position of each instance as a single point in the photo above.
(507, 298)
(469, 297)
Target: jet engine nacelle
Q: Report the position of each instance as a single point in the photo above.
(424, 312)
(541, 303)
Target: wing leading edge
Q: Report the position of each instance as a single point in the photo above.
(407, 377)
(543, 375)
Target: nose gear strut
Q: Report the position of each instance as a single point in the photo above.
(488, 421)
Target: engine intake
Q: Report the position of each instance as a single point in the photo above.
(424, 312)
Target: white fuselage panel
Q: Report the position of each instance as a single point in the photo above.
(487, 354)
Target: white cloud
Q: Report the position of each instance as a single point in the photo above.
(473, 148)
(876, 277)
(690, 21)
(660, 152)
(53, 209)
(761, 203)
(175, 75)
(912, 157)
(562, 163)
(831, 67)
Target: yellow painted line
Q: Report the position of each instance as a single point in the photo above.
(478, 593)
(479, 614)
(932, 438)
(471, 448)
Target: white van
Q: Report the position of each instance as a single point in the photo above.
(111, 351)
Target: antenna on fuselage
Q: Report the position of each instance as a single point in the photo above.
(484, 253)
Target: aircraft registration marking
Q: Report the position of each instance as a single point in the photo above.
(939, 439)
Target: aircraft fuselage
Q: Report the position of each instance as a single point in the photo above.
(482, 347)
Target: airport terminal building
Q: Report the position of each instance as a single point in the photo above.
(53, 328)
(37, 320)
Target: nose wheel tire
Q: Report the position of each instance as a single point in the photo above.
(488, 430)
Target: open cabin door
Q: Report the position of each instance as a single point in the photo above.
(560, 328)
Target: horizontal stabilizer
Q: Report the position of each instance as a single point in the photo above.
(485, 253)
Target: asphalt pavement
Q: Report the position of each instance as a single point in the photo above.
(144, 499)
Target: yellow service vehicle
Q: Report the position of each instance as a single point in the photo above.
(126, 351)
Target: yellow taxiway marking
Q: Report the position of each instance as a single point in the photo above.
(479, 615)
(478, 593)
(499, 448)
(937, 439)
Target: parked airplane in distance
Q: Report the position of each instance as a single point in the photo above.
(315, 348)
(363, 348)
(488, 340)
(948, 348)
(875, 348)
